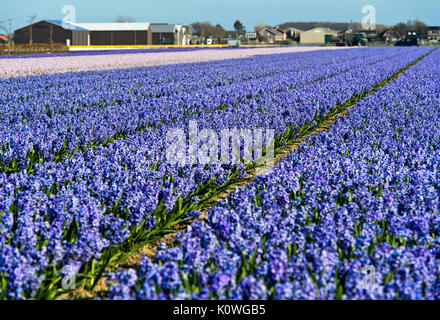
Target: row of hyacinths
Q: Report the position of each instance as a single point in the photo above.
(354, 213)
(83, 160)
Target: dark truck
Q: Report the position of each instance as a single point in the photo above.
(411, 39)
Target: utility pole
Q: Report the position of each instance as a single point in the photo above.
(9, 36)
(51, 37)
(31, 21)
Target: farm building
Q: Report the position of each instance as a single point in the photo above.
(57, 31)
(317, 36)
(272, 35)
(187, 34)
(387, 35)
(251, 35)
(117, 33)
(293, 33)
(170, 34)
(434, 34)
(83, 34)
(3, 39)
(46, 31)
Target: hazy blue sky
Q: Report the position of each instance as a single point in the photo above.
(249, 12)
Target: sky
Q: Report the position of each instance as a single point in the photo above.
(225, 12)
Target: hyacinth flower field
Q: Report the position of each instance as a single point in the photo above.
(91, 207)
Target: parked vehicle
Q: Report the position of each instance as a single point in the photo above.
(234, 43)
(408, 42)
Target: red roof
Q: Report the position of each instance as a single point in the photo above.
(3, 38)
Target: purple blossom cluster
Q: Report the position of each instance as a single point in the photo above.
(74, 206)
(352, 214)
(49, 114)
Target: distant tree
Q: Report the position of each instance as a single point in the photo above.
(8, 32)
(219, 31)
(238, 26)
(261, 37)
(420, 27)
(206, 30)
(202, 29)
(259, 26)
(412, 25)
(400, 29)
(121, 18)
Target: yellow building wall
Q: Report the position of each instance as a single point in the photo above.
(315, 36)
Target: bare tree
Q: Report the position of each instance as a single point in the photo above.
(5, 29)
(412, 25)
(206, 30)
(219, 31)
(258, 28)
(121, 18)
(8, 32)
(400, 29)
(420, 27)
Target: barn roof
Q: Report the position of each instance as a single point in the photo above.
(162, 28)
(114, 26)
(65, 24)
(295, 29)
(326, 30)
(269, 30)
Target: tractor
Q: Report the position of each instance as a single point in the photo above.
(359, 40)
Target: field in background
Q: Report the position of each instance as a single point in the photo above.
(137, 57)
